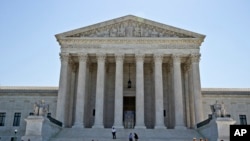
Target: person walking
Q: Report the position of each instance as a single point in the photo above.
(114, 132)
(130, 137)
(136, 137)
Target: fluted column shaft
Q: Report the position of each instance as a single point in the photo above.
(62, 92)
(119, 91)
(178, 96)
(99, 103)
(191, 98)
(80, 95)
(139, 91)
(187, 102)
(159, 118)
(195, 58)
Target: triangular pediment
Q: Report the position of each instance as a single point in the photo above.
(129, 26)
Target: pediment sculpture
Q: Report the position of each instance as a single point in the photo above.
(130, 28)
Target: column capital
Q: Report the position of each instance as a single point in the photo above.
(186, 67)
(83, 57)
(176, 58)
(101, 57)
(139, 57)
(158, 57)
(119, 57)
(195, 58)
(64, 57)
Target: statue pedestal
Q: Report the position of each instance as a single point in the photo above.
(33, 128)
(39, 128)
(223, 126)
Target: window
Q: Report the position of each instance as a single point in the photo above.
(17, 118)
(243, 120)
(2, 118)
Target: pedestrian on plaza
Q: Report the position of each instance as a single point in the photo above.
(130, 137)
(114, 132)
(136, 137)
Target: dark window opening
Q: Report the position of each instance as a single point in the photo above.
(17, 118)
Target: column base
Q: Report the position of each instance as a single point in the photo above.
(180, 127)
(160, 127)
(78, 125)
(97, 126)
(140, 127)
(118, 126)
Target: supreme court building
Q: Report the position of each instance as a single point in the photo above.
(129, 71)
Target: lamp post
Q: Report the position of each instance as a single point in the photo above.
(15, 134)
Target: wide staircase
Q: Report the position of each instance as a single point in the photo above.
(73, 134)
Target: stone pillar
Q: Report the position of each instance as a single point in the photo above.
(139, 91)
(119, 91)
(187, 102)
(99, 102)
(191, 97)
(159, 117)
(81, 89)
(62, 92)
(178, 96)
(195, 58)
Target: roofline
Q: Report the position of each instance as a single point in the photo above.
(123, 18)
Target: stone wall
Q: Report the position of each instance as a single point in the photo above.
(21, 100)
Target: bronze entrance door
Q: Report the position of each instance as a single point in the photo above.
(129, 111)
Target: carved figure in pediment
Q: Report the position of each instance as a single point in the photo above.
(145, 32)
(137, 32)
(121, 31)
(154, 33)
(129, 30)
(113, 32)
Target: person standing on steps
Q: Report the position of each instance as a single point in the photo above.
(130, 137)
(114, 132)
(136, 137)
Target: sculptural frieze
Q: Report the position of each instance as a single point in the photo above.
(130, 29)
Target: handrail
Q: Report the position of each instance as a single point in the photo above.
(51, 119)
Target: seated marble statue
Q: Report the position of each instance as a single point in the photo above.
(40, 109)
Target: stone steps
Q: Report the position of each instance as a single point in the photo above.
(73, 134)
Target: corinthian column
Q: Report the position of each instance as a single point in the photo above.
(195, 58)
(119, 91)
(139, 91)
(80, 95)
(99, 91)
(178, 97)
(159, 118)
(62, 92)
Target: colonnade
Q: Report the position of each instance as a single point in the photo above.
(186, 113)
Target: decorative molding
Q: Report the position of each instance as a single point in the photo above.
(101, 57)
(164, 42)
(83, 57)
(119, 57)
(158, 57)
(130, 28)
(176, 58)
(139, 57)
(195, 58)
(64, 57)
(186, 67)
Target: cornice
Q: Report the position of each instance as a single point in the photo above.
(173, 41)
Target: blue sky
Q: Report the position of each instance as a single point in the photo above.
(29, 53)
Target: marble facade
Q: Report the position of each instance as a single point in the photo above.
(94, 74)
